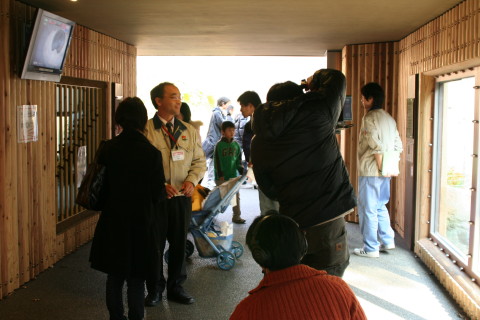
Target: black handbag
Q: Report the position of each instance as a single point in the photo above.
(91, 194)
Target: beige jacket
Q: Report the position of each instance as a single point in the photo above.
(378, 134)
(192, 167)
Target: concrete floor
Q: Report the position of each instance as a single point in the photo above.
(395, 286)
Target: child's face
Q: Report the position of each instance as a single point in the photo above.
(228, 133)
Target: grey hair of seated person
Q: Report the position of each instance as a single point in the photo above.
(222, 101)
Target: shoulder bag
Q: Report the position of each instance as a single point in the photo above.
(91, 194)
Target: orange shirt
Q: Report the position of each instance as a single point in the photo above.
(300, 293)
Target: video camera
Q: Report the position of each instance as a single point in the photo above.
(345, 115)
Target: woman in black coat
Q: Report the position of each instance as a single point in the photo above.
(297, 162)
(125, 237)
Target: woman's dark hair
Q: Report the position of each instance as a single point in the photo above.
(186, 113)
(276, 242)
(131, 114)
(284, 91)
(375, 91)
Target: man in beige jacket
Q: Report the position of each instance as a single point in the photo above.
(379, 147)
(184, 166)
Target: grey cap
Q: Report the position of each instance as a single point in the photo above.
(222, 101)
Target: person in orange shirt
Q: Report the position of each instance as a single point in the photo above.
(290, 290)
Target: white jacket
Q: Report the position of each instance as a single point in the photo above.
(378, 134)
(192, 167)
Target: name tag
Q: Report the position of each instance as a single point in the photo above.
(178, 155)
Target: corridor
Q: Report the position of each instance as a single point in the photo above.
(395, 286)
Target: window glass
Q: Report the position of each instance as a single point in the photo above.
(454, 163)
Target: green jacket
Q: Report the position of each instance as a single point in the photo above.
(227, 159)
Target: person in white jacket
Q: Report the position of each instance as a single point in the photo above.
(378, 153)
(184, 166)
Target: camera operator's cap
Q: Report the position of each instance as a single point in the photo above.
(222, 101)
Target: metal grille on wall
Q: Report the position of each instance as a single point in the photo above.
(78, 127)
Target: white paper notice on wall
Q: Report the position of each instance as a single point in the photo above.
(27, 123)
(81, 164)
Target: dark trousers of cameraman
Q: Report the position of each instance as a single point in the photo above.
(328, 247)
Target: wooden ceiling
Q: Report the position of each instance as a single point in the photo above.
(248, 27)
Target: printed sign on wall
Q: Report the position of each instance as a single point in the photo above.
(27, 123)
(81, 164)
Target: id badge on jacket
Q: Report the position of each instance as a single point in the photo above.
(178, 155)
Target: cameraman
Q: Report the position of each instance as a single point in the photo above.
(298, 162)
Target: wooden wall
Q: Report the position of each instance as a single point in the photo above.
(450, 43)
(29, 242)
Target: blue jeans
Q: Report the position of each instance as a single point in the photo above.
(373, 195)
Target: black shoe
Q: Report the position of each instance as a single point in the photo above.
(238, 220)
(180, 296)
(153, 299)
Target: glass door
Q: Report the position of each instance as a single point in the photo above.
(455, 168)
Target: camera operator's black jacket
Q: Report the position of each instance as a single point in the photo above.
(295, 155)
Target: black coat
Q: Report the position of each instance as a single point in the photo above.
(126, 237)
(295, 153)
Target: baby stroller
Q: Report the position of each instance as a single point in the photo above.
(209, 240)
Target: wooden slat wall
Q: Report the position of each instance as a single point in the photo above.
(374, 62)
(28, 239)
(449, 43)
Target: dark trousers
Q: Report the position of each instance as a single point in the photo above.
(328, 247)
(135, 297)
(178, 216)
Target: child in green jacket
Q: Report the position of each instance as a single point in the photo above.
(228, 163)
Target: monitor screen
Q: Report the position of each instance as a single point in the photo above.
(48, 47)
(347, 109)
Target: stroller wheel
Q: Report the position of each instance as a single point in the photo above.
(237, 249)
(189, 249)
(225, 260)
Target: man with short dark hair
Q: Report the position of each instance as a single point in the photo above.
(249, 101)
(379, 148)
(290, 290)
(184, 166)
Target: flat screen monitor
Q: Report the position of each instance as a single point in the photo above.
(347, 114)
(48, 47)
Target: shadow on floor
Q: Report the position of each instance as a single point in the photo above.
(394, 286)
